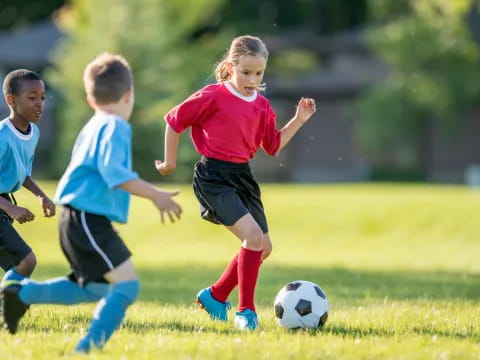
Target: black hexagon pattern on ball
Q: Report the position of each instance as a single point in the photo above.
(293, 286)
(304, 307)
(279, 310)
(323, 320)
(320, 292)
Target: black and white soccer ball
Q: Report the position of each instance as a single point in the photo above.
(301, 304)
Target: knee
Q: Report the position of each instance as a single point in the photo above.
(96, 290)
(27, 265)
(254, 240)
(129, 289)
(267, 250)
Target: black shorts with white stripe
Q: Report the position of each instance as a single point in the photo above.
(91, 245)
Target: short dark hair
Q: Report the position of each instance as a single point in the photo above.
(14, 79)
(107, 78)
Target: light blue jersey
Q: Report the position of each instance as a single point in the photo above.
(101, 160)
(16, 155)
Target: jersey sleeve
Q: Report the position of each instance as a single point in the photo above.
(190, 112)
(271, 138)
(114, 154)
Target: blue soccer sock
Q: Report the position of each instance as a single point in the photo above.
(108, 315)
(60, 291)
(11, 274)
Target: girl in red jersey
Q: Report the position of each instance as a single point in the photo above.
(229, 121)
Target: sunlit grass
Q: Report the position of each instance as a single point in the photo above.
(399, 264)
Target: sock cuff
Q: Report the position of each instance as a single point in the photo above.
(11, 274)
(129, 289)
(251, 251)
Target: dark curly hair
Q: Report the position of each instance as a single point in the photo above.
(14, 79)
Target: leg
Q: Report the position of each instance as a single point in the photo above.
(110, 311)
(249, 233)
(16, 257)
(267, 246)
(22, 270)
(249, 259)
(61, 291)
(225, 284)
(27, 265)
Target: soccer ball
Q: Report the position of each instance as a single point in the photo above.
(301, 304)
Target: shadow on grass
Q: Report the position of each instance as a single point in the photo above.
(179, 285)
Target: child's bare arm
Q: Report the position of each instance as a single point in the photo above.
(171, 145)
(305, 109)
(18, 213)
(47, 205)
(162, 199)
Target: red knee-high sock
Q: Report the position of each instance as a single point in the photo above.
(248, 268)
(226, 282)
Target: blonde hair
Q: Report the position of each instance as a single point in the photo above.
(240, 47)
(107, 78)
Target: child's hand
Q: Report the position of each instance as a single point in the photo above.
(21, 214)
(305, 109)
(48, 207)
(164, 202)
(163, 168)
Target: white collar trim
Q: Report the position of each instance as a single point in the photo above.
(18, 133)
(237, 94)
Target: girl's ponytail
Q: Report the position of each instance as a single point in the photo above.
(221, 71)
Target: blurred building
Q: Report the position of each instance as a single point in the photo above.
(29, 48)
(324, 150)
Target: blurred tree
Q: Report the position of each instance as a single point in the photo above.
(434, 67)
(276, 16)
(156, 38)
(18, 13)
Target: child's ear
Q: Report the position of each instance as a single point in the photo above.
(10, 99)
(128, 95)
(91, 101)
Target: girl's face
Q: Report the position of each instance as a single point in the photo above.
(247, 75)
(28, 105)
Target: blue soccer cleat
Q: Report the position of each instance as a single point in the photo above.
(246, 320)
(216, 309)
(12, 307)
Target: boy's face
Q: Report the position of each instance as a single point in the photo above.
(30, 101)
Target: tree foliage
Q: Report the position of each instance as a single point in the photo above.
(434, 64)
(277, 16)
(155, 37)
(19, 13)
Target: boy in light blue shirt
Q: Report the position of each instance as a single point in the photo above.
(94, 191)
(24, 93)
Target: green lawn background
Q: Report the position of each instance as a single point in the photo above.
(399, 264)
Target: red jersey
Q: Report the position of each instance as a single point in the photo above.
(226, 125)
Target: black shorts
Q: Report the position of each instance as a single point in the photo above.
(227, 191)
(91, 245)
(12, 247)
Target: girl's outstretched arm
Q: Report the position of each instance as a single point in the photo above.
(168, 166)
(305, 109)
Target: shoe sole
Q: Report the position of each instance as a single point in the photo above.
(197, 300)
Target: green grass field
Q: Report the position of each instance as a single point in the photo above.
(399, 263)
